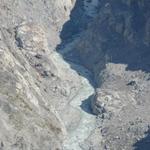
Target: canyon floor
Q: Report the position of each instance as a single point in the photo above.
(74, 75)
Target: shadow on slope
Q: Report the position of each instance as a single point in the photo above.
(134, 53)
(71, 29)
(143, 144)
(105, 41)
(76, 24)
(86, 105)
(122, 42)
(136, 57)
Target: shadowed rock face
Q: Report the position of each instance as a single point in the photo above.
(119, 34)
(115, 47)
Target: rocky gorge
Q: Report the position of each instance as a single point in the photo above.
(74, 74)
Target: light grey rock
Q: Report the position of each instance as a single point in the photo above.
(37, 86)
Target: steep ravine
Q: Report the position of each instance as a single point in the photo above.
(83, 130)
(81, 101)
(116, 50)
(51, 54)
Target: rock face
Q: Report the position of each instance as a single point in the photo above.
(30, 91)
(116, 44)
(41, 95)
(119, 25)
(51, 101)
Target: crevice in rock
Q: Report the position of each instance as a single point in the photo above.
(69, 35)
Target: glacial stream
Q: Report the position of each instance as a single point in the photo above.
(82, 99)
(84, 95)
(87, 122)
